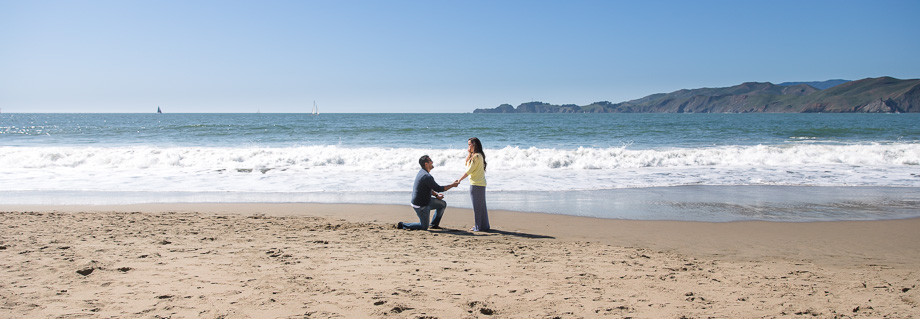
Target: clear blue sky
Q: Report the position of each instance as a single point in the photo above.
(429, 56)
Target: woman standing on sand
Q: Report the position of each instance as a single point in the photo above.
(476, 170)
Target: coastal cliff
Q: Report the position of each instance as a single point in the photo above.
(871, 95)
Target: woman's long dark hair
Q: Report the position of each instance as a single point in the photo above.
(477, 148)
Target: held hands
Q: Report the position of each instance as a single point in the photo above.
(452, 185)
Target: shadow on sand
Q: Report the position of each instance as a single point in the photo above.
(492, 231)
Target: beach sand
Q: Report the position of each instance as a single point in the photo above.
(326, 261)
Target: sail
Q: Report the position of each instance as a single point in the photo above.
(315, 110)
(159, 110)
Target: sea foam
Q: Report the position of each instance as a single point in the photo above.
(508, 158)
(341, 169)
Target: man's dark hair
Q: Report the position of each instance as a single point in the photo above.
(424, 159)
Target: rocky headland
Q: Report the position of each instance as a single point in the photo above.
(870, 95)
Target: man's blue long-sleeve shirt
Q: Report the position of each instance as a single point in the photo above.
(421, 191)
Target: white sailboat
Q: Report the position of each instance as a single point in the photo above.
(315, 110)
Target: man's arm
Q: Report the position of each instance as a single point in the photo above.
(429, 181)
(435, 187)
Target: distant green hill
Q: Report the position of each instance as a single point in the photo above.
(871, 95)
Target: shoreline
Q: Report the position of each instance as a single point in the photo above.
(348, 260)
(702, 203)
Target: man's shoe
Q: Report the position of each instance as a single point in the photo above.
(434, 227)
(400, 225)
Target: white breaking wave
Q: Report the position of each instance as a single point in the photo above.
(344, 169)
(508, 158)
(616, 158)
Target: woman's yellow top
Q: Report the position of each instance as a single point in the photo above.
(476, 170)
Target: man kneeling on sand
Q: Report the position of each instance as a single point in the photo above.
(425, 187)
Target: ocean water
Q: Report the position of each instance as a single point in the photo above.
(710, 167)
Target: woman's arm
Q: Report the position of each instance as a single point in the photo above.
(475, 164)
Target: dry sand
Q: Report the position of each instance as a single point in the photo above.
(322, 261)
